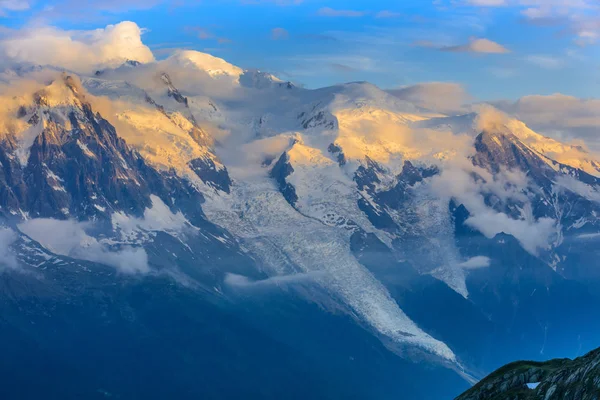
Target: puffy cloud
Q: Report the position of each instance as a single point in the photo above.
(330, 12)
(457, 182)
(559, 116)
(490, 118)
(279, 34)
(438, 96)
(80, 51)
(69, 238)
(478, 46)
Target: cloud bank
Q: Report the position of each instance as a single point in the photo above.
(80, 51)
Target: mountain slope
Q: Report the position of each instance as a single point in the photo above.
(447, 245)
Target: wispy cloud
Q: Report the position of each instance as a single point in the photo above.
(438, 96)
(274, 2)
(203, 33)
(580, 17)
(7, 255)
(13, 5)
(486, 3)
(388, 14)
(241, 281)
(279, 34)
(476, 263)
(321, 37)
(330, 12)
(478, 46)
(342, 68)
(311, 65)
(545, 61)
(69, 238)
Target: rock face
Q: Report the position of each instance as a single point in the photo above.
(560, 379)
(77, 165)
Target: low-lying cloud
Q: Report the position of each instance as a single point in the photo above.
(457, 182)
(69, 238)
(241, 281)
(7, 255)
(476, 263)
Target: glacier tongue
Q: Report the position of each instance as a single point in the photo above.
(257, 213)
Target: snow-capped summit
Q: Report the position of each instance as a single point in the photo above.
(213, 66)
(256, 79)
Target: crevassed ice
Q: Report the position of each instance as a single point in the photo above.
(312, 246)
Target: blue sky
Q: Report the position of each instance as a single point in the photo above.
(497, 49)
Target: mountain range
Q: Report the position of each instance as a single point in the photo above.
(186, 228)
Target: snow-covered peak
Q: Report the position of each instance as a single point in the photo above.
(490, 119)
(574, 156)
(256, 79)
(364, 94)
(63, 91)
(214, 66)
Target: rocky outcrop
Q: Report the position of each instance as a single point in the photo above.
(560, 379)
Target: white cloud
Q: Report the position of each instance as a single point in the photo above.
(81, 51)
(589, 192)
(243, 282)
(330, 12)
(437, 96)
(478, 46)
(69, 238)
(476, 263)
(457, 181)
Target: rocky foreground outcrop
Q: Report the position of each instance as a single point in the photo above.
(562, 379)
